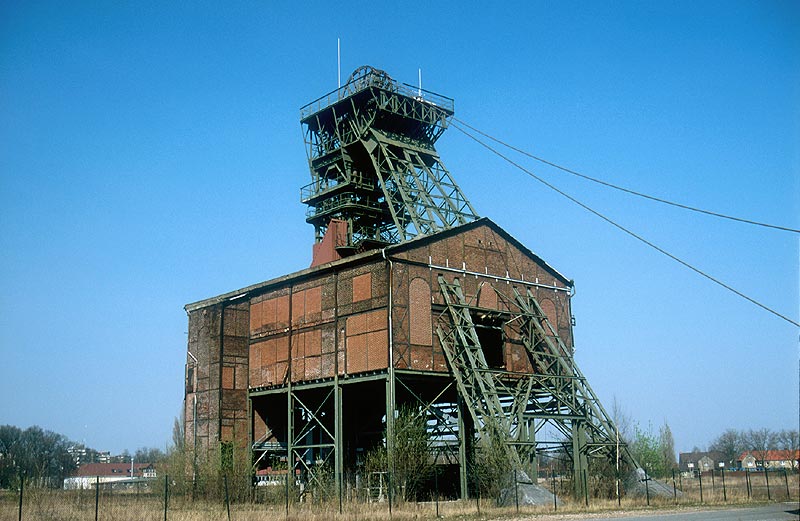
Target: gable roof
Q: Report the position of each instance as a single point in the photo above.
(483, 221)
(368, 255)
(772, 455)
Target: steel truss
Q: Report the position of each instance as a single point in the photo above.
(513, 406)
(370, 148)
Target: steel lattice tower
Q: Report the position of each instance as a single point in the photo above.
(370, 147)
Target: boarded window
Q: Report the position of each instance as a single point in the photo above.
(419, 296)
(362, 287)
(227, 377)
(367, 341)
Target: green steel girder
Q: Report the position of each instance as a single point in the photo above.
(503, 403)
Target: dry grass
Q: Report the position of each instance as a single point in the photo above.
(59, 505)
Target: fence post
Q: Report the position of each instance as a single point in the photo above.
(713, 488)
(289, 470)
(747, 483)
(21, 491)
(786, 480)
(227, 498)
(96, 496)
(724, 492)
(585, 489)
(553, 477)
(436, 484)
(647, 486)
(700, 473)
(166, 495)
(766, 478)
(516, 492)
(389, 491)
(674, 489)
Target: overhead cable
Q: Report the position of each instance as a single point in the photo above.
(622, 188)
(626, 230)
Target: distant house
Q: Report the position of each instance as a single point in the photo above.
(82, 455)
(699, 461)
(109, 474)
(771, 459)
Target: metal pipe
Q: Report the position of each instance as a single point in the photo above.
(466, 272)
(390, 391)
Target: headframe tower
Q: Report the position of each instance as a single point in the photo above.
(370, 147)
(411, 301)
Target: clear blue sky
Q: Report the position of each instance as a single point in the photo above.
(151, 155)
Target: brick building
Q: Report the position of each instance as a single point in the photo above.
(411, 303)
(364, 326)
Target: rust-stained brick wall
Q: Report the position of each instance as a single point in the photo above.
(328, 320)
(336, 318)
(485, 252)
(218, 338)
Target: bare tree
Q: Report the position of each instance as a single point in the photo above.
(787, 440)
(731, 443)
(759, 441)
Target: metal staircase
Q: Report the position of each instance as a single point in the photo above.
(511, 406)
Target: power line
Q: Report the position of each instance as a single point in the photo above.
(622, 188)
(626, 230)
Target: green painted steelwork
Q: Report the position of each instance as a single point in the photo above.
(512, 406)
(370, 147)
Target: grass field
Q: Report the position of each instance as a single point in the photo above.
(59, 505)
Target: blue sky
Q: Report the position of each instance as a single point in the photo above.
(152, 156)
